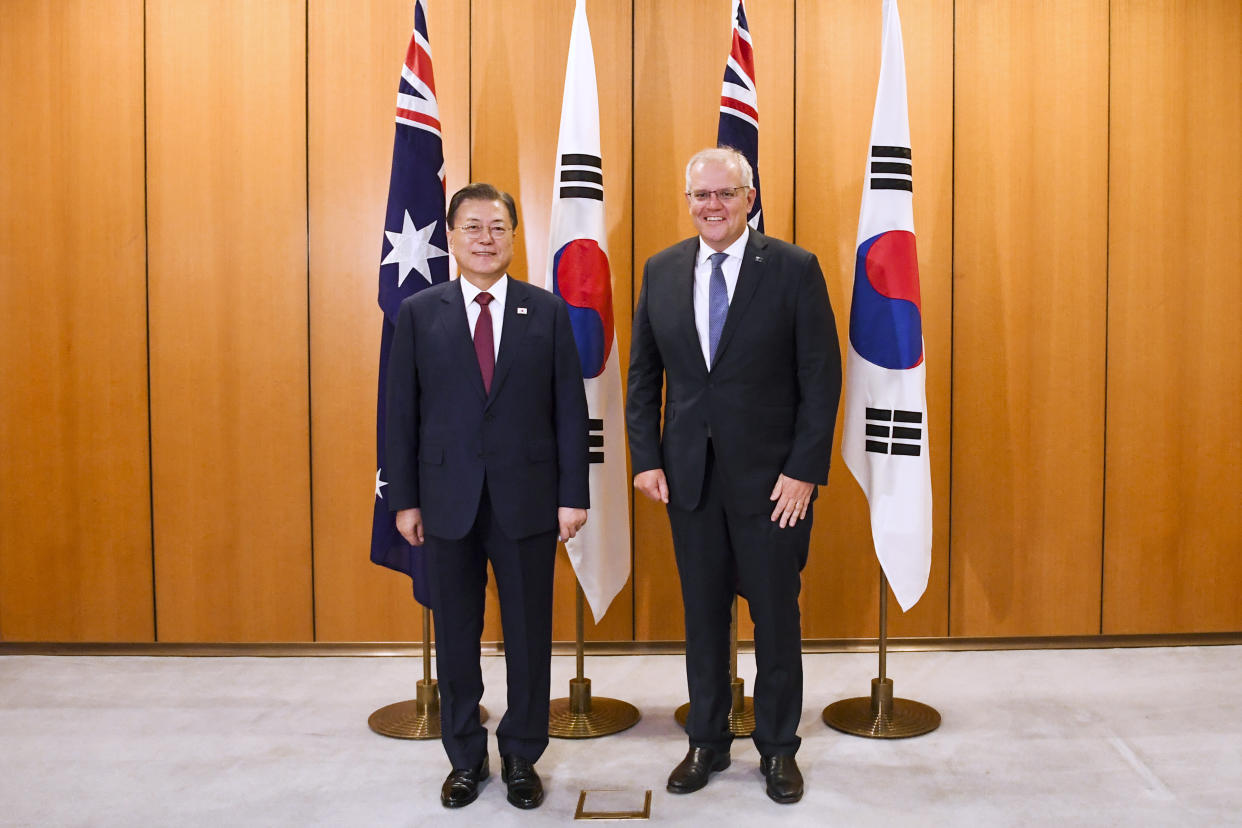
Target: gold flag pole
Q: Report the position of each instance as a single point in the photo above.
(742, 711)
(580, 716)
(881, 716)
(419, 717)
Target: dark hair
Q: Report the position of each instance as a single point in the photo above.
(482, 192)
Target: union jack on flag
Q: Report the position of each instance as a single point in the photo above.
(739, 105)
(415, 255)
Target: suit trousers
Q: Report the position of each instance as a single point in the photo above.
(721, 551)
(457, 572)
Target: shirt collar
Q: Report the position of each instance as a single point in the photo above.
(498, 290)
(734, 250)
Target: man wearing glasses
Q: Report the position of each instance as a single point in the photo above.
(739, 328)
(487, 461)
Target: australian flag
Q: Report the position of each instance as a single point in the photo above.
(739, 105)
(414, 256)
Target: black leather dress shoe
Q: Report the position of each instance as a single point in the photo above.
(525, 786)
(692, 773)
(784, 779)
(462, 785)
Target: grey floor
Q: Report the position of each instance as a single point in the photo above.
(1077, 737)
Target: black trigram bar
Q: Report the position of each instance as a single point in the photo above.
(573, 181)
(891, 168)
(582, 192)
(877, 427)
(891, 152)
(578, 159)
(595, 439)
(583, 175)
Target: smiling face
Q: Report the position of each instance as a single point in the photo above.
(719, 223)
(482, 256)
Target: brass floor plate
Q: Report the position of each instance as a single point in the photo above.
(613, 804)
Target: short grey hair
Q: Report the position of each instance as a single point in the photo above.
(722, 155)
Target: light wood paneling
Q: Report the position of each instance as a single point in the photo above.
(676, 113)
(1173, 521)
(1029, 317)
(226, 142)
(516, 98)
(354, 63)
(75, 530)
(836, 99)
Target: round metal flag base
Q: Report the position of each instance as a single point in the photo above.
(417, 718)
(881, 716)
(582, 717)
(741, 714)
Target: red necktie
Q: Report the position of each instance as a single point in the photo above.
(484, 349)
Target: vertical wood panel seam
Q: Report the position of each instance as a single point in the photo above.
(633, 264)
(146, 277)
(1108, 249)
(793, 91)
(948, 604)
(310, 401)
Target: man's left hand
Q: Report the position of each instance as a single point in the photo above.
(792, 499)
(570, 521)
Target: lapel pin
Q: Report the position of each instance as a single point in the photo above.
(758, 258)
(521, 311)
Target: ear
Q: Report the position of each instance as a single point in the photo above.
(750, 199)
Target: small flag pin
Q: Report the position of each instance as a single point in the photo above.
(521, 311)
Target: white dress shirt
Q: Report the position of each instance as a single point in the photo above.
(702, 285)
(496, 307)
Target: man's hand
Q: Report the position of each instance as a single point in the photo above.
(653, 484)
(570, 520)
(410, 525)
(792, 499)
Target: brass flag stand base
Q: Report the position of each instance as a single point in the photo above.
(582, 717)
(881, 716)
(742, 712)
(417, 718)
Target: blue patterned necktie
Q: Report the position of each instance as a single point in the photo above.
(717, 305)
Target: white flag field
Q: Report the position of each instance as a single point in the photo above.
(885, 440)
(578, 272)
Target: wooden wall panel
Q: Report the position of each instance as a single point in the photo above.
(226, 143)
(354, 63)
(75, 525)
(1029, 317)
(836, 99)
(676, 113)
(516, 96)
(1173, 522)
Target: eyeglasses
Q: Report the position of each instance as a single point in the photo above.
(726, 194)
(474, 231)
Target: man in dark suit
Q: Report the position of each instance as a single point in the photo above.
(740, 327)
(487, 461)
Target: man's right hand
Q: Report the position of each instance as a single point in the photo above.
(410, 525)
(652, 484)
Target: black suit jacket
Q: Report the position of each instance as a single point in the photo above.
(768, 404)
(528, 436)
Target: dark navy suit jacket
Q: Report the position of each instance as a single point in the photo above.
(445, 434)
(768, 404)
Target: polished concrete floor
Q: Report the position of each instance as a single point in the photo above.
(1076, 737)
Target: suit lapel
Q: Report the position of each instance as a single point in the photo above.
(754, 260)
(460, 340)
(512, 330)
(683, 296)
